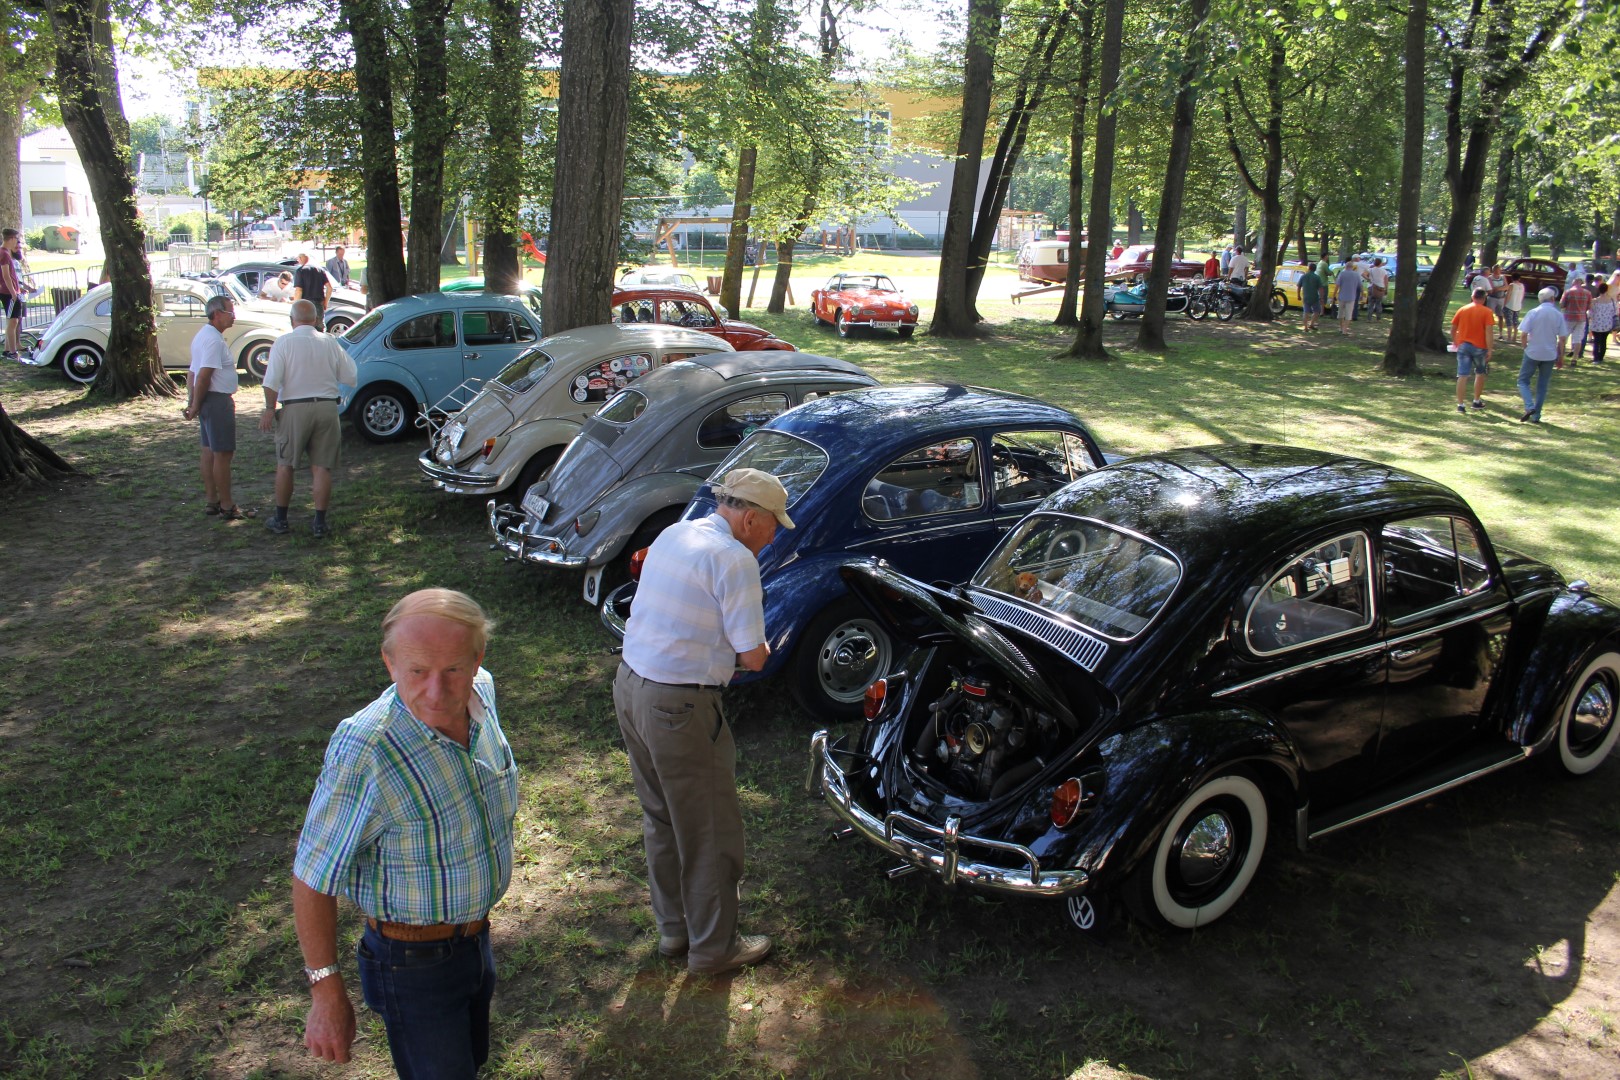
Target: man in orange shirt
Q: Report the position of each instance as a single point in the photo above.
(1472, 330)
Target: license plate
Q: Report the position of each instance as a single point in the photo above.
(453, 435)
(886, 324)
(535, 505)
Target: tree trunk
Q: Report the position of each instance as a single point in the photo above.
(24, 460)
(742, 208)
(1151, 335)
(1499, 201)
(1269, 188)
(953, 309)
(1133, 224)
(1240, 222)
(1027, 98)
(503, 189)
(588, 193)
(1400, 356)
(87, 90)
(379, 167)
(431, 124)
(785, 245)
(1068, 309)
(12, 97)
(1088, 343)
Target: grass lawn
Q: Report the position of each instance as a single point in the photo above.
(170, 683)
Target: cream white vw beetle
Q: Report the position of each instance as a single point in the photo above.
(511, 432)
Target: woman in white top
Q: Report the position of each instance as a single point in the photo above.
(1512, 304)
(1600, 321)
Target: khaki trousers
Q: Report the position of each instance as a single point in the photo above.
(684, 762)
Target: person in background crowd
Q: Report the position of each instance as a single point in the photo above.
(1512, 304)
(1310, 297)
(1576, 302)
(1238, 271)
(1119, 249)
(305, 370)
(1377, 287)
(1348, 288)
(1472, 331)
(1226, 259)
(1543, 330)
(1496, 295)
(311, 283)
(278, 288)
(11, 290)
(1212, 267)
(211, 401)
(1600, 320)
(1575, 274)
(337, 267)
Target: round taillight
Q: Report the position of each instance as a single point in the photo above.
(1066, 802)
(637, 559)
(489, 447)
(874, 698)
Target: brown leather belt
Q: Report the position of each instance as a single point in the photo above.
(399, 931)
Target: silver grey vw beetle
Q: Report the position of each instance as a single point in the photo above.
(511, 433)
(636, 463)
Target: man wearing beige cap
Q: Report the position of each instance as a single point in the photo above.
(698, 615)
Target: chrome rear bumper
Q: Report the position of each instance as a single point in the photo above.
(523, 546)
(941, 851)
(454, 480)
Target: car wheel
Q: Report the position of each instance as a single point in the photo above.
(906, 331)
(1586, 720)
(842, 651)
(1205, 857)
(843, 327)
(535, 470)
(338, 324)
(82, 362)
(256, 358)
(1115, 313)
(383, 414)
(1279, 303)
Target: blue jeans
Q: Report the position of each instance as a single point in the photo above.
(433, 997)
(1543, 377)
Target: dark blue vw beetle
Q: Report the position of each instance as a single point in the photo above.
(925, 477)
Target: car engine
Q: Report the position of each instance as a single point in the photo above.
(982, 741)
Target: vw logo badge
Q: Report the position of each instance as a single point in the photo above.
(1082, 912)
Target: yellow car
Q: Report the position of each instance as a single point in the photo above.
(1288, 275)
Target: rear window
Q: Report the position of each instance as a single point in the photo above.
(624, 407)
(792, 460)
(1086, 570)
(521, 374)
(359, 330)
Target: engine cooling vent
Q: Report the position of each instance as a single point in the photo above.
(1083, 649)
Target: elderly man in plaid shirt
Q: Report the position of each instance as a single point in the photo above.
(1576, 303)
(412, 820)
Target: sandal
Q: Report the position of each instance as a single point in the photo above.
(236, 513)
(212, 510)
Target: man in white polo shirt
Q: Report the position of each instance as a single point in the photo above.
(698, 615)
(305, 369)
(211, 401)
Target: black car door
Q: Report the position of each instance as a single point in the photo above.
(927, 511)
(1447, 618)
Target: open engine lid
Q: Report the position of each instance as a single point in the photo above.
(921, 613)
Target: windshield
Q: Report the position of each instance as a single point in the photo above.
(792, 460)
(359, 330)
(233, 289)
(1086, 570)
(868, 281)
(521, 374)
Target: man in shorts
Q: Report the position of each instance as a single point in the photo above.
(306, 367)
(11, 292)
(1311, 288)
(1576, 303)
(1512, 305)
(1472, 329)
(211, 402)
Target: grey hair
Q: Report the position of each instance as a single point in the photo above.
(1548, 295)
(216, 304)
(303, 313)
(734, 503)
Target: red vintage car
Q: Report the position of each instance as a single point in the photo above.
(1138, 259)
(673, 305)
(871, 300)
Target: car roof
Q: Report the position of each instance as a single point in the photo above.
(892, 416)
(609, 336)
(734, 365)
(624, 293)
(421, 303)
(1205, 502)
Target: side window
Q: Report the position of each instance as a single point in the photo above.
(432, 331)
(598, 381)
(933, 480)
(1323, 593)
(729, 425)
(634, 311)
(494, 328)
(684, 313)
(182, 305)
(104, 308)
(1430, 561)
(1031, 465)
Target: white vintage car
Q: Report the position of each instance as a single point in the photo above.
(509, 435)
(76, 340)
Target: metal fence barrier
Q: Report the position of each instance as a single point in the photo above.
(53, 290)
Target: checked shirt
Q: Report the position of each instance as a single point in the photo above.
(405, 822)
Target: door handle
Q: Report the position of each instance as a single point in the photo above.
(1403, 655)
(469, 356)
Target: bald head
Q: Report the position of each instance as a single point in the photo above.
(304, 313)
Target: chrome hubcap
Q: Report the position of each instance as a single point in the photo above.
(1206, 852)
(1594, 713)
(384, 415)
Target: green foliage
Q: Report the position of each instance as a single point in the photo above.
(190, 225)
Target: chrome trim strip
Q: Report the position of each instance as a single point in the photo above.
(1458, 781)
(945, 860)
(1351, 654)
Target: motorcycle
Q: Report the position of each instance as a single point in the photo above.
(1130, 301)
(1230, 297)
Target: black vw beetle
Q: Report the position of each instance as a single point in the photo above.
(1172, 651)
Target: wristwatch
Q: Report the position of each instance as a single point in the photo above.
(315, 975)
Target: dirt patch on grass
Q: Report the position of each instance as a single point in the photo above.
(170, 682)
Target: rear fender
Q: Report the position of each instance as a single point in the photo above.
(1143, 774)
(520, 443)
(1576, 624)
(794, 596)
(627, 506)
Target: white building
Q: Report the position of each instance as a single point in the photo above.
(55, 189)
